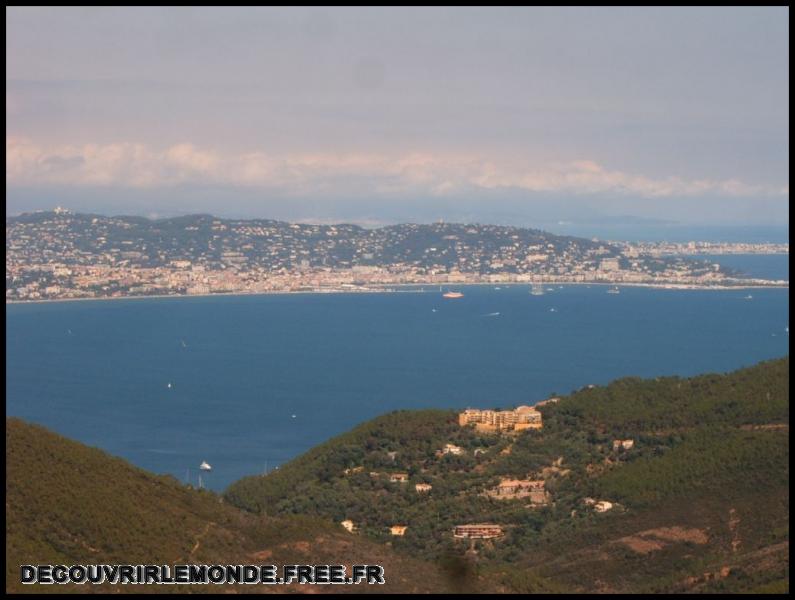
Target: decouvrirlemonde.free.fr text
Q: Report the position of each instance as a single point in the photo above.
(201, 574)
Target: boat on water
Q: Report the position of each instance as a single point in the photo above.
(452, 295)
(749, 297)
(205, 466)
(537, 290)
(614, 290)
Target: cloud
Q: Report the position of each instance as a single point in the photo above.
(134, 165)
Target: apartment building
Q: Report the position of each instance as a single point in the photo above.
(510, 489)
(523, 417)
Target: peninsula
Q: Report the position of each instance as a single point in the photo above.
(59, 255)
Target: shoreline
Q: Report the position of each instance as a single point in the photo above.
(384, 290)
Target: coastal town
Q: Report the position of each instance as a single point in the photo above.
(58, 255)
(698, 248)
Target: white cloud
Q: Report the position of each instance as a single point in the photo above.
(127, 164)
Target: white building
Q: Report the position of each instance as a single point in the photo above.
(452, 449)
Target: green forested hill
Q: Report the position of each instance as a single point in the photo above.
(699, 503)
(70, 504)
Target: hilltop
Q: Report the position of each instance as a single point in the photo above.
(70, 504)
(701, 487)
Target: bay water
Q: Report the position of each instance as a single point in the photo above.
(249, 382)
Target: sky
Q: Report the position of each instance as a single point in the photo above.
(376, 115)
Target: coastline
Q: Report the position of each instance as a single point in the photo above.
(388, 289)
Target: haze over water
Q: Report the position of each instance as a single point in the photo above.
(240, 367)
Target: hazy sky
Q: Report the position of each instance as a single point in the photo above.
(381, 114)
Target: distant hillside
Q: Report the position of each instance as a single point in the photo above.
(212, 242)
(60, 255)
(70, 504)
(700, 502)
(215, 243)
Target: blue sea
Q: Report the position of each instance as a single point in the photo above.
(257, 380)
(653, 232)
(763, 266)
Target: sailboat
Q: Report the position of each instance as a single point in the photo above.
(537, 290)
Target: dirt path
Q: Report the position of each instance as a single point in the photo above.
(734, 522)
(199, 538)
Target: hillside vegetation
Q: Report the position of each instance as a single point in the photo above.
(70, 504)
(703, 490)
(698, 502)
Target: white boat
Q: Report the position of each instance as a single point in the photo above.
(749, 297)
(614, 290)
(205, 466)
(452, 295)
(537, 290)
(169, 385)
